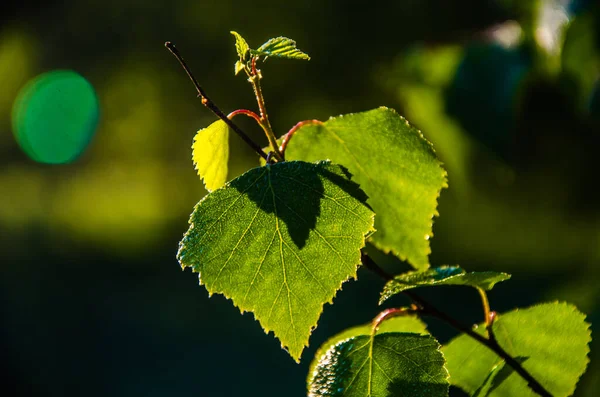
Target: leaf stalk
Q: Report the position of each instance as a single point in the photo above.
(287, 137)
(254, 79)
(486, 307)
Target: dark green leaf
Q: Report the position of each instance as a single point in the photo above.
(279, 241)
(444, 275)
(410, 324)
(394, 164)
(387, 364)
(280, 47)
(550, 340)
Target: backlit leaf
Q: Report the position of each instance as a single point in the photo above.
(238, 67)
(280, 47)
(394, 164)
(444, 275)
(241, 46)
(210, 153)
(279, 241)
(550, 340)
(387, 364)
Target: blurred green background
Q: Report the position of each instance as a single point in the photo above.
(92, 300)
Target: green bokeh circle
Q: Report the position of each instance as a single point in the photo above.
(55, 116)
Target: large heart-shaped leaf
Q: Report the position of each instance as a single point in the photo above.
(279, 241)
(549, 340)
(394, 164)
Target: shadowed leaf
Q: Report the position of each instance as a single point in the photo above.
(279, 241)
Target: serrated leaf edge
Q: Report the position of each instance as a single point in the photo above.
(583, 317)
(241, 45)
(434, 283)
(198, 172)
(434, 200)
(243, 310)
(262, 49)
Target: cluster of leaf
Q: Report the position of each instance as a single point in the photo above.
(281, 239)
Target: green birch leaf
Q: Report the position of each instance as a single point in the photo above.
(411, 324)
(238, 67)
(210, 153)
(387, 364)
(395, 166)
(279, 241)
(241, 46)
(280, 47)
(550, 340)
(444, 275)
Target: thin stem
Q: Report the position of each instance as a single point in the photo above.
(389, 313)
(287, 137)
(254, 79)
(429, 310)
(206, 101)
(486, 307)
(245, 112)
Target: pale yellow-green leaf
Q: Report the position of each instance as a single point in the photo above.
(210, 153)
(241, 46)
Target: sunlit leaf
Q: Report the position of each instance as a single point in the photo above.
(210, 153)
(280, 47)
(239, 66)
(444, 275)
(241, 46)
(279, 241)
(550, 340)
(387, 364)
(394, 164)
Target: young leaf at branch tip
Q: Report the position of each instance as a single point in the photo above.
(386, 364)
(239, 66)
(210, 154)
(241, 46)
(395, 165)
(550, 340)
(279, 241)
(280, 47)
(443, 275)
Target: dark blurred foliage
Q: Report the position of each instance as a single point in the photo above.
(92, 301)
